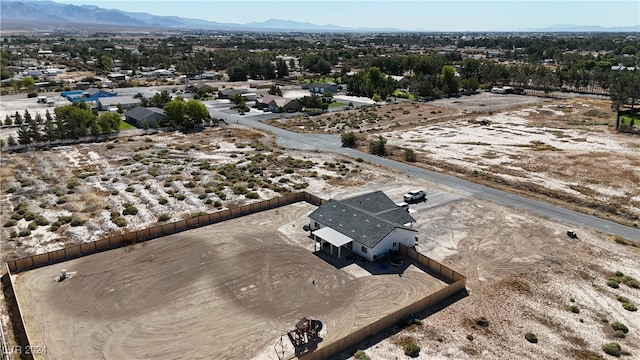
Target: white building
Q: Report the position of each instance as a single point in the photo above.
(368, 225)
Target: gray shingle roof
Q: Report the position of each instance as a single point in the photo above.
(141, 113)
(367, 219)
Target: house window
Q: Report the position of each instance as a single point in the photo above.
(364, 249)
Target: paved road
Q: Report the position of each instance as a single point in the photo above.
(332, 143)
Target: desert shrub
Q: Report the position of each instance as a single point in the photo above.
(129, 209)
(349, 139)
(410, 155)
(54, 227)
(162, 201)
(32, 226)
(574, 309)
(622, 299)
(217, 204)
(61, 201)
(631, 282)
(25, 232)
(29, 216)
(629, 306)
(620, 326)
(13, 234)
(378, 146)
(71, 184)
(299, 186)
(239, 190)
(110, 146)
(411, 349)
(119, 220)
(612, 348)
(252, 195)
(470, 337)
(77, 222)
(164, 217)
(619, 334)
(11, 190)
(16, 216)
(10, 223)
(202, 196)
(41, 220)
(361, 355)
(613, 283)
(190, 184)
(129, 189)
(283, 180)
(531, 337)
(64, 219)
(619, 273)
(482, 321)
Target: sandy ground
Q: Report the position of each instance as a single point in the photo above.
(225, 291)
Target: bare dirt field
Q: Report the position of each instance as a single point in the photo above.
(524, 274)
(225, 291)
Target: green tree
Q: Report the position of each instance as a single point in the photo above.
(195, 113)
(24, 135)
(11, 141)
(449, 81)
(8, 121)
(349, 139)
(175, 111)
(28, 82)
(49, 128)
(18, 119)
(275, 90)
(109, 122)
(281, 69)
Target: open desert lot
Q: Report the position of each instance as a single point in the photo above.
(225, 291)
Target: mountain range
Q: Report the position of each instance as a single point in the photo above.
(46, 13)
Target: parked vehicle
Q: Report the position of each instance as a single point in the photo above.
(415, 195)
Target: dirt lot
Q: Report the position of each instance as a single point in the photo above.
(524, 273)
(225, 291)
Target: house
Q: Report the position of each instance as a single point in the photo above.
(321, 88)
(278, 104)
(369, 225)
(126, 102)
(145, 116)
(401, 80)
(228, 93)
(117, 76)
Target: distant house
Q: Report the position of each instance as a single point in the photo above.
(126, 102)
(145, 116)
(83, 85)
(90, 94)
(228, 93)
(402, 81)
(278, 103)
(321, 88)
(117, 76)
(369, 225)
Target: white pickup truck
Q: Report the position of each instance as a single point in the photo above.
(415, 195)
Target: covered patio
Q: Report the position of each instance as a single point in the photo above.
(328, 235)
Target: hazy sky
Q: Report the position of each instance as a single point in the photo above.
(452, 15)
